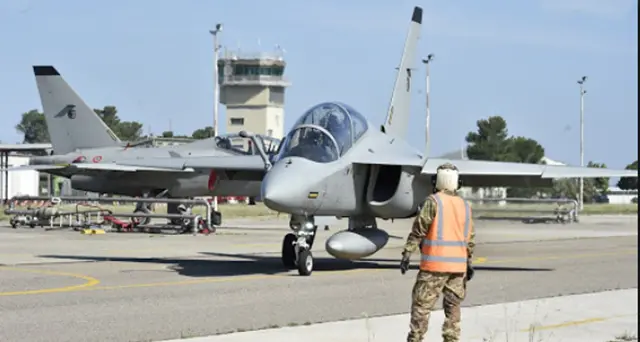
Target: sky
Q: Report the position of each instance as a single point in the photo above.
(153, 60)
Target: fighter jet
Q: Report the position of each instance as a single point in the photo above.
(334, 162)
(85, 148)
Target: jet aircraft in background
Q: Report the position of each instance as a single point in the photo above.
(85, 149)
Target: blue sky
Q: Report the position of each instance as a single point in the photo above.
(518, 59)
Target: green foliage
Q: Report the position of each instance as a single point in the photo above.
(125, 130)
(492, 142)
(34, 127)
(203, 133)
(570, 187)
(628, 183)
(524, 150)
(600, 184)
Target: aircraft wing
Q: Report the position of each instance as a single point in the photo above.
(246, 162)
(480, 173)
(122, 168)
(96, 167)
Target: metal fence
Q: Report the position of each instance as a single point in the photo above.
(558, 210)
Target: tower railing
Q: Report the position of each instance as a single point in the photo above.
(276, 55)
(239, 79)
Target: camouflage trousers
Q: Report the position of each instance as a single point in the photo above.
(426, 292)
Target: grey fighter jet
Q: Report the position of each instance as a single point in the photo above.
(85, 149)
(334, 162)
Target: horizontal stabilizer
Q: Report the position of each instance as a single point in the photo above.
(35, 168)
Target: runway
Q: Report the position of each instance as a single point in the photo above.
(63, 286)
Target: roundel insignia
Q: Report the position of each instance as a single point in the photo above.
(97, 159)
(213, 177)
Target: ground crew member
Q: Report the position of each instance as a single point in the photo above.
(444, 231)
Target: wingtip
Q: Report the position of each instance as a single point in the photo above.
(45, 70)
(417, 15)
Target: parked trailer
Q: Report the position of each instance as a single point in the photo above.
(51, 212)
(559, 214)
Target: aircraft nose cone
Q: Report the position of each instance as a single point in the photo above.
(276, 197)
(284, 188)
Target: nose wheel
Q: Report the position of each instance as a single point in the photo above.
(289, 251)
(296, 249)
(305, 262)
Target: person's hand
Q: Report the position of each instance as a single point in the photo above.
(404, 264)
(470, 270)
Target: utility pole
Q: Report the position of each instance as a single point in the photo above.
(582, 92)
(428, 119)
(216, 90)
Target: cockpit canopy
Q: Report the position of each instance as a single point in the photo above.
(325, 132)
(235, 143)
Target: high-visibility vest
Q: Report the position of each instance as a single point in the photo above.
(444, 248)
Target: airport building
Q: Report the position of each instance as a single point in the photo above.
(252, 88)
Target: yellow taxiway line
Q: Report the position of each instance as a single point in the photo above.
(89, 282)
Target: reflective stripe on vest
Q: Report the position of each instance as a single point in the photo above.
(430, 247)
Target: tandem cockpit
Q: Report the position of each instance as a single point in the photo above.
(324, 133)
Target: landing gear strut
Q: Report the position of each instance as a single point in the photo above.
(296, 246)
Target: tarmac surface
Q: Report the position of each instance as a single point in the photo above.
(64, 286)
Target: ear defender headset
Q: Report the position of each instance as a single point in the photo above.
(433, 183)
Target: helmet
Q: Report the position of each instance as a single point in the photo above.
(447, 177)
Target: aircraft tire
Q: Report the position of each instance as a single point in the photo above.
(305, 263)
(288, 251)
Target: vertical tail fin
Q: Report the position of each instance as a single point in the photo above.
(71, 123)
(397, 120)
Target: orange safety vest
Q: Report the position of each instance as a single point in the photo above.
(444, 248)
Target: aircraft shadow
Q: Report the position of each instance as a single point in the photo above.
(526, 220)
(248, 264)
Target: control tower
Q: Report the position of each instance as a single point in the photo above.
(252, 88)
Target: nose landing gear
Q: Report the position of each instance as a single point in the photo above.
(296, 246)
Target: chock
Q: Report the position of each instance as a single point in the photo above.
(93, 231)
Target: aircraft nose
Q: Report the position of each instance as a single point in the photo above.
(285, 187)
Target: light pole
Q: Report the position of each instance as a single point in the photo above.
(582, 92)
(427, 137)
(216, 90)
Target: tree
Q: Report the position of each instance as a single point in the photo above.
(34, 127)
(570, 187)
(629, 183)
(600, 184)
(525, 150)
(492, 142)
(125, 130)
(167, 134)
(203, 133)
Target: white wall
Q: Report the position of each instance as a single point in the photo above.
(23, 182)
